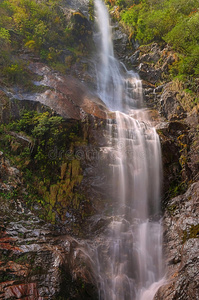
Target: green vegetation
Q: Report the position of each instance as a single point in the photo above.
(175, 22)
(176, 188)
(43, 146)
(192, 233)
(91, 10)
(40, 28)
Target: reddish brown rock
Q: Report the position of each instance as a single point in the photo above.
(70, 98)
(26, 291)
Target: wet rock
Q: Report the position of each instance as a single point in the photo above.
(193, 155)
(174, 138)
(181, 236)
(38, 259)
(178, 138)
(29, 291)
(152, 63)
(134, 58)
(66, 96)
(81, 30)
(76, 5)
(11, 108)
(178, 108)
(70, 98)
(171, 108)
(153, 56)
(100, 224)
(159, 88)
(37, 263)
(148, 73)
(9, 176)
(120, 41)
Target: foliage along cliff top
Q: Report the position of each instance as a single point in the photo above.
(47, 30)
(175, 22)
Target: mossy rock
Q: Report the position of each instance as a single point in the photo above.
(192, 233)
(82, 31)
(76, 169)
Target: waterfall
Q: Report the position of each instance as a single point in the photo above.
(130, 266)
(118, 87)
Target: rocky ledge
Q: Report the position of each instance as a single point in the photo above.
(66, 95)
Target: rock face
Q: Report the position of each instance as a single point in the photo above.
(36, 262)
(170, 107)
(174, 137)
(12, 108)
(152, 62)
(67, 95)
(178, 134)
(178, 131)
(181, 238)
(120, 41)
(180, 160)
(39, 260)
(81, 5)
(44, 261)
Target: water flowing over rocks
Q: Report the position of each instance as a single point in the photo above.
(128, 266)
(178, 131)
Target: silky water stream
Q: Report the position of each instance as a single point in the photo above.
(131, 268)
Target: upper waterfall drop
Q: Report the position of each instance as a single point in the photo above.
(134, 268)
(120, 89)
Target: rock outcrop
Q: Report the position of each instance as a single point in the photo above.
(152, 62)
(64, 94)
(181, 244)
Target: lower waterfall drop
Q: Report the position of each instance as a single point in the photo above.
(131, 268)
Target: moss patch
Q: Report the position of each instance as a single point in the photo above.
(192, 233)
(43, 146)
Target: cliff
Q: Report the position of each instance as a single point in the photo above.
(54, 190)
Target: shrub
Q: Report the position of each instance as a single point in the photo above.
(173, 21)
(4, 37)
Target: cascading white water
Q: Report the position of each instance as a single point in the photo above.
(131, 268)
(118, 87)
